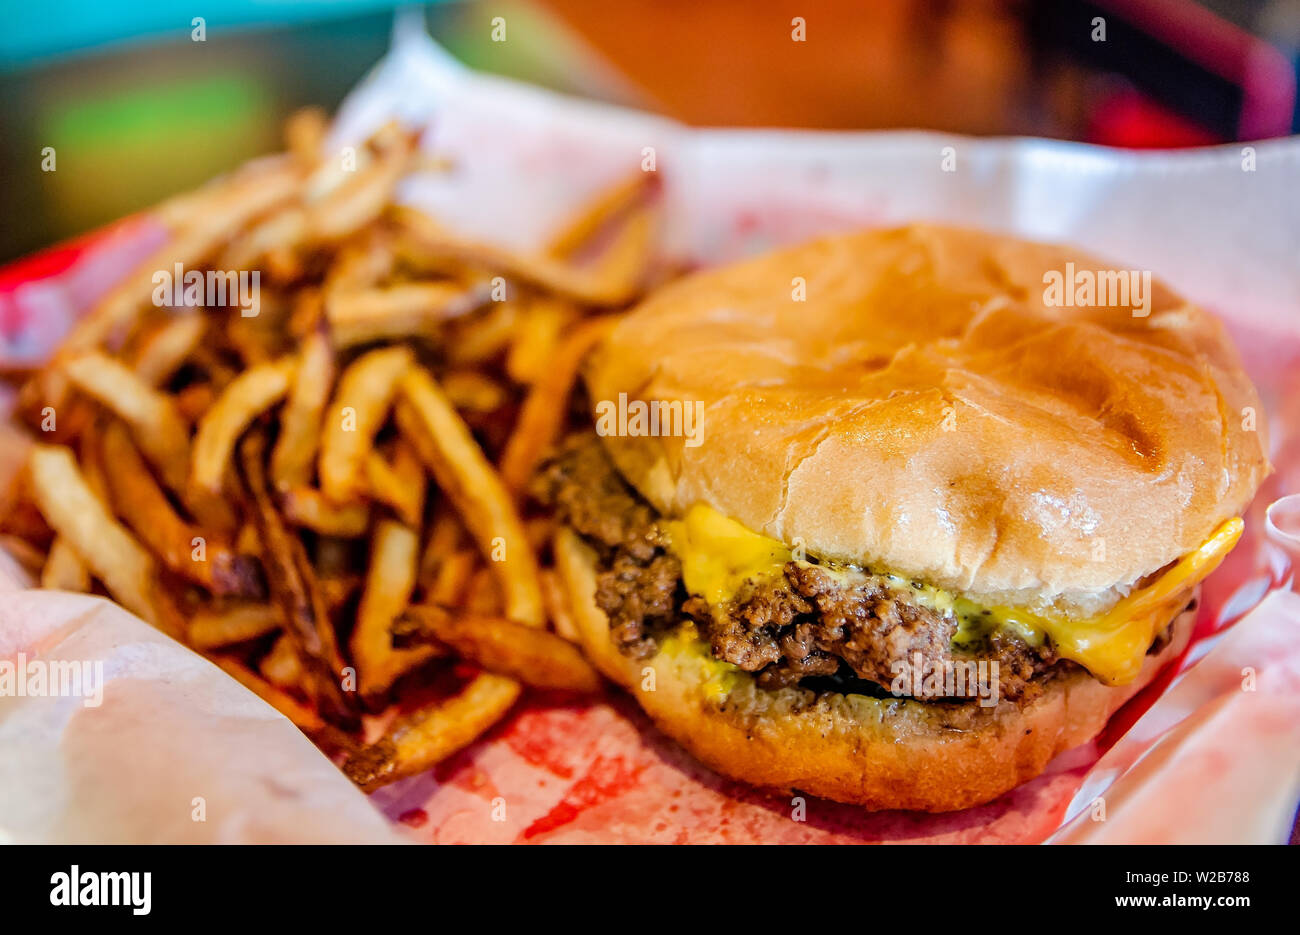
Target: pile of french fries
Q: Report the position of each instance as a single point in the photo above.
(328, 498)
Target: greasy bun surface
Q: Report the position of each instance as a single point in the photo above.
(924, 411)
(880, 753)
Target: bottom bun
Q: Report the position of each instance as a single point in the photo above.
(882, 753)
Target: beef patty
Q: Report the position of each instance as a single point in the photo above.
(843, 629)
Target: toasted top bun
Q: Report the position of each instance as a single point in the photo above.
(906, 399)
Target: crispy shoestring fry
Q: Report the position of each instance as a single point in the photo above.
(452, 577)
(295, 449)
(413, 309)
(269, 486)
(214, 629)
(360, 405)
(533, 656)
(389, 584)
(202, 226)
(422, 739)
(400, 485)
(304, 718)
(64, 570)
(304, 135)
(293, 587)
(533, 348)
(152, 416)
(281, 666)
(71, 506)
(306, 507)
(457, 463)
(486, 335)
(362, 196)
(543, 412)
(600, 211)
(168, 347)
(183, 548)
(613, 279)
(558, 610)
(248, 395)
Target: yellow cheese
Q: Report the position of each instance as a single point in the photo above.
(718, 555)
(1113, 645)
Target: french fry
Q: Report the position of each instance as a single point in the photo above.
(473, 391)
(405, 310)
(31, 558)
(212, 628)
(248, 540)
(401, 484)
(304, 134)
(540, 530)
(64, 570)
(361, 262)
(333, 170)
(482, 593)
(459, 466)
(219, 372)
(281, 666)
(558, 610)
(202, 225)
(622, 268)
(338, 590)
(58, 425)
(307, 314)
(362, 196)
(446, 533)
(258, 339)
(598, 212)
(293, 588)
(304, 506)
(79, 516)
(248, 395)
(284, 230)
(452, 577)
(92, 461)
(185, 549)
(195, 400)
(295, 449)
(181, 500)
(304, 718)
(389, 583)
(484, 335)
(163, 352)
(544, 408)
(152, 416)
(574, 564)
(179, 211)
(361, 403)
(533, 348)
(425, 737)
(614, 279)
(532, 656)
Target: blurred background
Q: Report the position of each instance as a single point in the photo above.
(139, 100)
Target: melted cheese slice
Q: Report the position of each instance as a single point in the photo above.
(1113, 645)
(718, 555)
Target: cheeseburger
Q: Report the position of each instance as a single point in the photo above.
(938, 514)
